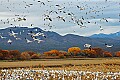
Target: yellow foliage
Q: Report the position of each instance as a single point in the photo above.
(88, 51)
(74, 50)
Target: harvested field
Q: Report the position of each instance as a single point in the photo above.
(60, 63)
(62, 69)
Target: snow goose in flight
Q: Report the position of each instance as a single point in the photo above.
(108, 46)
(9, 41)
(2, 37)
(37, 34)
(28, 41)
(13, 34)
(87, 46)
(36, 39)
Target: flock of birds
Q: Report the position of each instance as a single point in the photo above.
(89, 46)
(61, 12)
(34, 35)
(21, 74)
(58, 12)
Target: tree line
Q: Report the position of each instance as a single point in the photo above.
(70, 53)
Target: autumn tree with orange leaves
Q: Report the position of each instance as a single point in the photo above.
(74, 51)
(52, 53)
(63, 52)
(35, 56)
(30, 53)
(5, 54)
(117, 54)
(14, 54)
(89, 52)
(107, 54)
(47, 53)
(25, 56)
(99, 51)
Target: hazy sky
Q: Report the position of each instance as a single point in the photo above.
(92, 13)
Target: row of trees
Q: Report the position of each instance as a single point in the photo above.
(16, 55)
(72, 52)
(76, 51)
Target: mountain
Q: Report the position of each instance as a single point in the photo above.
(112, 36)
(53, 40)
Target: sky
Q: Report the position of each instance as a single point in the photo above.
(81, 17)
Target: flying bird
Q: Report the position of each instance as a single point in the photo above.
(2, 37)
(9, 41)
(108, 46)
(12, 34)
(87, 46)
(36, 39)
(28, 41)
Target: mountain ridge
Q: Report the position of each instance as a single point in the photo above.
(53, 40)
(112, 35)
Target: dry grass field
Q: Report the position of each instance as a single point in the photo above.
(62, 69)
(99, 64)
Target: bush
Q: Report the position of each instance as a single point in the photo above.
(14, 54)
(61, 56)
(1, 56)
(5, 54)
(35, 56)
(30, 53)
(25, 56)
(107, 54)
(117, 54)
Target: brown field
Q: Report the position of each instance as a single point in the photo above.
(91, 64)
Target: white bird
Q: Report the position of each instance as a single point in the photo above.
(9, 41)
(13, 34)
(20, 33)
(18, 38)
(23, 31)
(28, 41)
(36, 39)
(34, 34)
(42, 34)
(37, 34)
(39, 41)
(108, 46)
(87, 46)
(2, 37)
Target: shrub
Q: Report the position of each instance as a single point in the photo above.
(1, 56)
(61, 56)
(107, 54)
(52, 53)
(35, 56)
(99, 51)
(25, 56)
(30, 53)
(117, 54)
(14, 54)
(5, 54)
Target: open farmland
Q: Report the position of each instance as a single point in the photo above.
(62, 69)
(88, 63)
